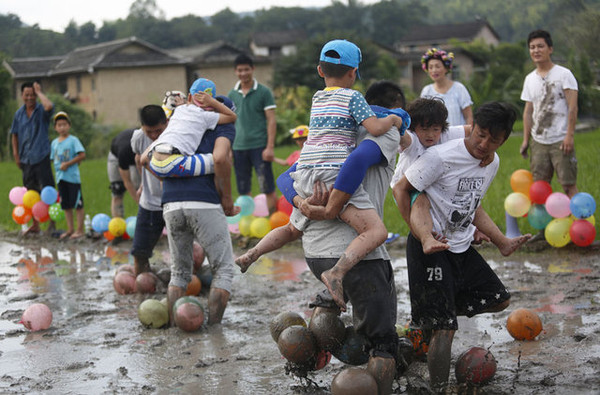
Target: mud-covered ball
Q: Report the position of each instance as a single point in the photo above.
(475, 366)
(328, 329)
(284, 320)
(524, 324)
(353, 381)
(352, 351)
(153, 314)
(124, 282)
(297, 344)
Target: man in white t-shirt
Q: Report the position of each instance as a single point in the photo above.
(457, 281)
(550, 95)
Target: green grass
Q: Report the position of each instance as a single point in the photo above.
(97, 195)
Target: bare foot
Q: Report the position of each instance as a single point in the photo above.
(511, 245)
(432, 245)
(33, 229)
(65, 235)
(244, 261)
(76, 235)
(333, 281)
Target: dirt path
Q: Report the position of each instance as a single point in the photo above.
(97, 345)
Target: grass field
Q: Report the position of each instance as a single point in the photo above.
(97, 195)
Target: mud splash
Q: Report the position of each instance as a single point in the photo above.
(97, 345)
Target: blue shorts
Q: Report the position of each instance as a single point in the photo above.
(148, 229)
(243, 162)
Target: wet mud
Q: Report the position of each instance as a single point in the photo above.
(96, 343)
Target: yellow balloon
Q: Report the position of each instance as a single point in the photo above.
(117, 226)
(260, 227)
(591, 219)
(30, 198)
(517, 204)
(557, 232)
(244, 225)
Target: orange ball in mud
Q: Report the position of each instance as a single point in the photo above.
(524, 324)
(194, 286)
(297, 344)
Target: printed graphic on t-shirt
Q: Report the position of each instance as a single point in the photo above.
(65, 155)
(467, 197)
(546, 114)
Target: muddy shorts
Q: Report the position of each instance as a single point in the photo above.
(209, 228)
(444, 285)
(370, 288)
(548, 158)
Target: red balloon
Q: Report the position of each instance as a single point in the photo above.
(284, 206)
(582, 233)
(539, 192)
(40, 211)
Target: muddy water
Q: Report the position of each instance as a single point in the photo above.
(97, 345)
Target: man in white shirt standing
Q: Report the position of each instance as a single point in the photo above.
(550, 95)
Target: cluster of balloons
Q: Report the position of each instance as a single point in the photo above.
(254, 219)
(562, 219)
(114, 227)
(30, 204)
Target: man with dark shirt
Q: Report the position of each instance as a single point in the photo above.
(122, 172)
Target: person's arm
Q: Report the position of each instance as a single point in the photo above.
(268, 153)
(126, 177)
(527, 125)
(285, 183)
(467, 113)
(15, 149)
(568, 142)
(405, 141)
(401, 192)
(378, 126)
(280, 161)
(223, 175)
(467, 129)
(77, 159)
(48, 105)
(226, 115)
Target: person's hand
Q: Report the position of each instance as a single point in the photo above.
(204, 99)
(139, 193)
(320, 194)
(228, 208)
(37, 88)
(567, 145)
(64, 166)
(397, 122)
(523, 149)
(268, 154)
(479, 237)
(178, 100)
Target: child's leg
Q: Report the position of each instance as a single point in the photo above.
(275, 239)
(69, 221)
(421, 225)
(182, 166)
(371, 234)
(80, 218)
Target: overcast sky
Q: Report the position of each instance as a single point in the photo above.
(56, 14)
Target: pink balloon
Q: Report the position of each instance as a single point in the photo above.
(16, 195)
(557, 205)
(37, 317)
(261, 208)
(40, 211)
(234, 228)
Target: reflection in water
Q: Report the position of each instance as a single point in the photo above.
(279, 269)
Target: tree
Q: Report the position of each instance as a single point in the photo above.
(145, 9)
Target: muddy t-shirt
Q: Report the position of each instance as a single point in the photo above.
(455, 184)
(550, 110)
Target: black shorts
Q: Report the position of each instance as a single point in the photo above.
(370, 288)
(70, 195)
(444, 285)
(38, 176)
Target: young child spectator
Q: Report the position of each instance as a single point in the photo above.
(67, 152)
(336, 113)
(299, 134)
(438, 63)
(173, 152)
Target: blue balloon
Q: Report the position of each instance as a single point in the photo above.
(246, 203)
(538, 217)
(130, 228)
(100, 223)
(49, 195)
(234, 219)
(582, 205)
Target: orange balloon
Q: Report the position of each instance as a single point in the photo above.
(524, 324)
(521, 180)
(279, 218)
(21, 214)
(194, 286)
(109, 236)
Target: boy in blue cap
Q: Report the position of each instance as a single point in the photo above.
(173, 152)
(336, 113)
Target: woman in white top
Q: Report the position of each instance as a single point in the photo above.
(437, 63)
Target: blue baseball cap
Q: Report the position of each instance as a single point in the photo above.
(349, 53)
(203, 85)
